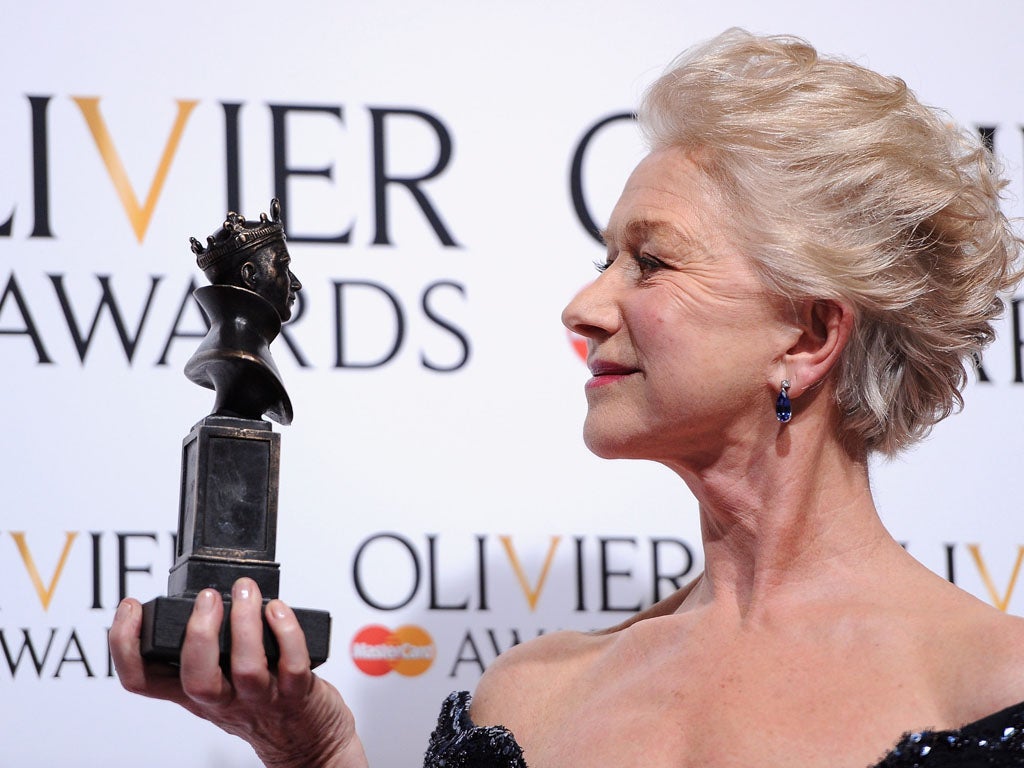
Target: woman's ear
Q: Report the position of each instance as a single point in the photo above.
(825, 327)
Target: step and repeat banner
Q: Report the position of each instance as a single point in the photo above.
(439, 165)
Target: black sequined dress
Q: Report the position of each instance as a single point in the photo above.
(996, 741)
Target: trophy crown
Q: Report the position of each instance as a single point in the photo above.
(236, 235)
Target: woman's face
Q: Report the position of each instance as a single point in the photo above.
(684, 344)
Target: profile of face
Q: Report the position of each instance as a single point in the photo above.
(683, 339)
(269, 274)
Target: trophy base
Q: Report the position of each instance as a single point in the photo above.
(163, 631)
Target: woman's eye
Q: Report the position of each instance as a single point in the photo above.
(648, 263)
(644, 262)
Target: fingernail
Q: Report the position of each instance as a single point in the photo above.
(278, 608)
(241, 590)
(123, 609)
(204, 601)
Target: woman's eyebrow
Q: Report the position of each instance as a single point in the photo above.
(639, 230)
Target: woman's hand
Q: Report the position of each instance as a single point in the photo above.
(290, 716)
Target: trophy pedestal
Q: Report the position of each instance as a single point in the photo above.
(163, 631)
(227, 529)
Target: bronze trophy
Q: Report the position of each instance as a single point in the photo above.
(230, 463)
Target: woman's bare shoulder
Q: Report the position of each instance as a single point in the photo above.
(978, 654)
(992, 664)
(523, 678)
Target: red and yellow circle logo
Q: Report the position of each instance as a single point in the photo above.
(409, 650)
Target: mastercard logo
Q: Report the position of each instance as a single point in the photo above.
(409, 650)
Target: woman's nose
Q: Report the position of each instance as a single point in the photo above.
(592, 313)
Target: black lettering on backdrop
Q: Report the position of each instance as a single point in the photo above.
(108, 300)
(97, 603)
(232, 152)
(675, 579)
(580, 600)
(176, 334)
(481, 542)
(467, 653)
(17, 318)
(340, 360)
(435, 600)
(13, 663)
(40, 172)
(579, 202)
(607, 574)
(123, 569)
(1018, 342)
(282, 171)
(40, 167)
(35, 652)
(382, 178)
(443, 323)
(29, 328)
(65, 658)
(357, 577)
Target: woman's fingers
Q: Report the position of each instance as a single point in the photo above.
(136, 675)
(294, 676)
(289, 716)
(250, 674)
(123, 638)
(201, 676)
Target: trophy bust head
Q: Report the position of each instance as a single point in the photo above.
(251, 255)
(252, 293)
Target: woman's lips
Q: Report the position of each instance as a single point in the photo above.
(605, 373)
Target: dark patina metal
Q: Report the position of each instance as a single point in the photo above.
(227, 520)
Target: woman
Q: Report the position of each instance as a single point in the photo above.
(796, 277)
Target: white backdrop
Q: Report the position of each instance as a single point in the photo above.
(423, 471)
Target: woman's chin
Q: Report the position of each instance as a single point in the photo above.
(609, 446)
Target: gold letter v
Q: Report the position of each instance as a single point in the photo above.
(138, 215)
(1002, 603)
(45, 593)
(532, 595)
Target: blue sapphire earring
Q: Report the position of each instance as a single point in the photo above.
(783, 408)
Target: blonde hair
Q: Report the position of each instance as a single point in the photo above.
(841, 185)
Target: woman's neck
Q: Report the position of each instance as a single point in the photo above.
(785, 525)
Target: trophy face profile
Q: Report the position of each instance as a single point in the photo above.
(231, 459)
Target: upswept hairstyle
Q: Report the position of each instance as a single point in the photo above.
(839, 184)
